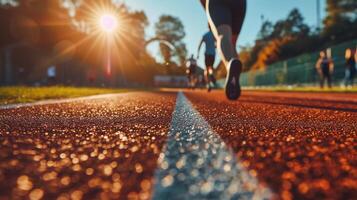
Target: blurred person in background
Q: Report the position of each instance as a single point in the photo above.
(350, 72)
(191, 65)
(325, 67)
(210, 56)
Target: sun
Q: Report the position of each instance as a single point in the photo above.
(108, 23)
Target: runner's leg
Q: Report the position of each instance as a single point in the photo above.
(226, 19)
(220, 20)
(226, 24)
(329, 80)
(239, 8)
(208, 81)
(322, 81)
(209, 62)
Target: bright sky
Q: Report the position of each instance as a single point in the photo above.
(193, 17)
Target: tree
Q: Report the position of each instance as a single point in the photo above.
(290, 37)
(181, 52)
(266, 30)
(130, 61)
(273, 38)
(293, 25)
(245, 56)
(30, 33)
(61, 32)
(340, 10)
(341, 20)
(171, 29)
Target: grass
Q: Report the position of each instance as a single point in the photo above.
(10, 95)
(304, 89)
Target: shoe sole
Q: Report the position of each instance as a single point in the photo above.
(233, 91)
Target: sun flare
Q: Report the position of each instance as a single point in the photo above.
(108, 23)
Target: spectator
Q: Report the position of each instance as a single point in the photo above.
(350, 67)
(325, 67)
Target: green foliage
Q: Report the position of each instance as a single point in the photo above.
(338, 11)
(272, 40)
(291, 37)
(293, 25)
(171, 29)
(62, 33)
(341, 20)
(33, 22)
(266, 30)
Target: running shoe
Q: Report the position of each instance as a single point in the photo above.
(232, 89)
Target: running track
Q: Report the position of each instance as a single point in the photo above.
(181, 145)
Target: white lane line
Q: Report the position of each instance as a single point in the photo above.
(57, 101)
(197, 164)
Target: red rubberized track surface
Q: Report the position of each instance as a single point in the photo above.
(301, 145)
(106, 148)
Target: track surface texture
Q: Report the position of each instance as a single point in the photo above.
(299, 145)
(96, 149)
(302, 145)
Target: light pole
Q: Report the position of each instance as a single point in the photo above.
(318, 15)
(109, 24)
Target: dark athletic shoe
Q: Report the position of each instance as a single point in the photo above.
(232, 88)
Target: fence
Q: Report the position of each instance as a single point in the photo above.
(298, 71)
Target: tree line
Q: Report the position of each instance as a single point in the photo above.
(291, 36)
(41, 33)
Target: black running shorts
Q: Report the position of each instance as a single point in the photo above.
(209, 60)
(192, 70)
(228, 12)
